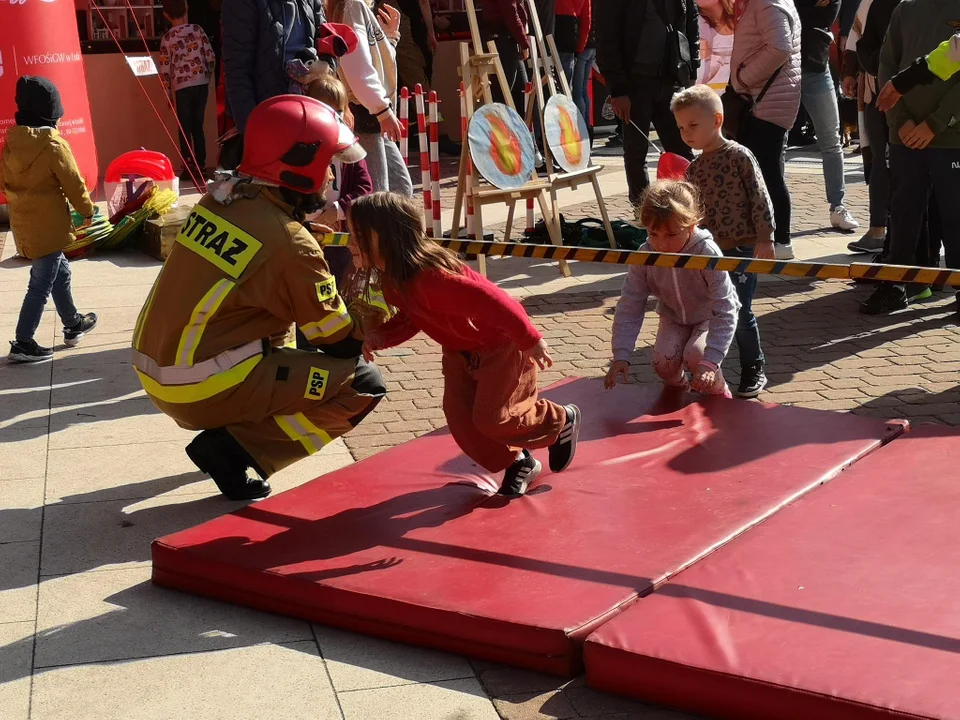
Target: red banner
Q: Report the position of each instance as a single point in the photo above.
(39, 37)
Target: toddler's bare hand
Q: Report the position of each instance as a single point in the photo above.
(619, 368)
(703, 379)
(540, 354)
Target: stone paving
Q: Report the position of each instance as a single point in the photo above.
(92, 474)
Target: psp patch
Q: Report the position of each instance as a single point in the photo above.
(327, 289)
(317, 384)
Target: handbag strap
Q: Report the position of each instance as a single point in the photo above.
(768, 84)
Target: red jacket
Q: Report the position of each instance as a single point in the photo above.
(464, 312)
(579, 9)
(510, 15)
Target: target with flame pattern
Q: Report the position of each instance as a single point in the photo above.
(567, 135)
(501, 146)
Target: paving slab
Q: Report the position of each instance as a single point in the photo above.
(21, 510)
(19, 564)
(16, 653)
(453, 699)
(119, 615)
(267, 682)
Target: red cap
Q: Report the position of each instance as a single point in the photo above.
(336, 40)
(672, 167)
(291, 139)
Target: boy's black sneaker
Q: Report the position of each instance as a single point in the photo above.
(220, 456)
(72, 335)
(27, 351)
(886, 299)
(563, 450)
(752, 381)
(518, 476)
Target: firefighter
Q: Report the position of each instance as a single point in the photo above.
(213, 343)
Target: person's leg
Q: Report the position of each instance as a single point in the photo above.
(946, 187)
(666, 124)
(509, 53)
(877, 132)
(459, 397)
(768, 144)
(820, 100)
(581, 81)
(693, 356)
(668, 350)
(398, 177)
(184, 117)
(43, 275)
(199, 113)
(635, 144)
(376, 160)
(508, 410)
(568, 62)
(62, 295)
(747, 333)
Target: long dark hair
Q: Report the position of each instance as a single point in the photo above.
(403, 243)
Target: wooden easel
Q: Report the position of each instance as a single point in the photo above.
(476, 71)
(544, 61)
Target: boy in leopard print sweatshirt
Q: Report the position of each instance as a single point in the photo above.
(736, 210)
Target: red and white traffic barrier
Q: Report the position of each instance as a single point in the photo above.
(468, 195)
(434, 102)
(424, 156)
(531, 215)
(405, 125)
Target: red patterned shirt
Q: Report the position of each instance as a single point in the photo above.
(186, 57)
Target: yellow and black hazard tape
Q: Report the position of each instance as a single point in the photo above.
(791, 268)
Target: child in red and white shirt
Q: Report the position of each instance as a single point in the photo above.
(187, 63)
(491, 350)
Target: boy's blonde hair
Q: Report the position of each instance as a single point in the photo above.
(329, 90)
(670, 201)
(702, 96)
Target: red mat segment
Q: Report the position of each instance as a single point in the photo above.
(842, 606)
(413, 545)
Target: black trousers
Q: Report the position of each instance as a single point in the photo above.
(919, 176)
(513, 68)
(191, 108)
(768, 143)
(649, 103)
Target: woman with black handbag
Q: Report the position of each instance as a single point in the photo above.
(763, 98)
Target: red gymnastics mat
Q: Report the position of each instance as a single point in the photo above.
(842, 606)
(413, 545)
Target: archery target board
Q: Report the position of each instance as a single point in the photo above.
(501, 146)
(567, 134)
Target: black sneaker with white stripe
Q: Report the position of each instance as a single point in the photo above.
(27, 351)
(518, 476)
(563, 450)
(73, 334)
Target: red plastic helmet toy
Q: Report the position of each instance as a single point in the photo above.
(672, 167)
(290, 141)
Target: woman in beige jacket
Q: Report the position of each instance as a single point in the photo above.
(767, 45)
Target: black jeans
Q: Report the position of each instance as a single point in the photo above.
(649, 103)
(918, 174)
(748, 334)
(191, 108)
(878, 185)
(768, 143)
(513, 68)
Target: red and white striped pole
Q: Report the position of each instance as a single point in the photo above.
(405, 125)
(435, 161)
(424, 156)
(468, 171)
(531, 216)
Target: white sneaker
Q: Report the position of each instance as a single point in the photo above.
(784, 251)
(842, 220)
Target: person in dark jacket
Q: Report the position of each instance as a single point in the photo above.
(259, 36)
(505, 22)
(819, 97)
(644, 64)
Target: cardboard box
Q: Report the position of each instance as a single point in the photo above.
(160, 233)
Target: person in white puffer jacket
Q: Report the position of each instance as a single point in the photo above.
(698, 308)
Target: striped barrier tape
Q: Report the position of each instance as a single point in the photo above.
(788, 268)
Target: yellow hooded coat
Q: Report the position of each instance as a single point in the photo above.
(38, 175)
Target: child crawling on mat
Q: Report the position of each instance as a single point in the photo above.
(698, 308)
(491, 350)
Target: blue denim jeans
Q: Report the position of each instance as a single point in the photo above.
(49, 275)
(748, 334)
(819, 97)
(581, 81)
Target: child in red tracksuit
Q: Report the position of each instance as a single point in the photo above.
(491, 350)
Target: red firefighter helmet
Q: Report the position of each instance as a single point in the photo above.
(291, 139)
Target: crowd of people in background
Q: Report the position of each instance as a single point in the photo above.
(805, 67)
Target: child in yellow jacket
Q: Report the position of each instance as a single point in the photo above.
(38, 175)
